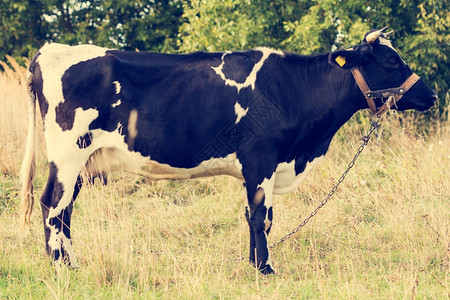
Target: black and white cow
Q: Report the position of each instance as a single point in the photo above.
(263, 116)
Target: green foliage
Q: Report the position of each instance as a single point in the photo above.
(322, 25)
(7, 196)
(421, 27)
(233, 24)
(427, 48)
(384, 234)
(130, 25)
(21, 28)
(215, 25)
(314, 31)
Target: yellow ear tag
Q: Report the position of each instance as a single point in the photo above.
(340, 60)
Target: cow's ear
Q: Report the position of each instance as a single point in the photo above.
(345, 59)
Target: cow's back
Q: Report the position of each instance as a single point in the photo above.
(186, 114)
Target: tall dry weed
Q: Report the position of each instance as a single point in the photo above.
(13, 116)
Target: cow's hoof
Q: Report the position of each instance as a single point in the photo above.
(267, 270)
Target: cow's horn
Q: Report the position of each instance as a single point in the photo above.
(372, 37)
(388, 34)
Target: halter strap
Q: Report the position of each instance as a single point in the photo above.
(393, 94)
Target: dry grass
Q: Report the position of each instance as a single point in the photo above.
(14, 117)
(384, 235)
(12, 107)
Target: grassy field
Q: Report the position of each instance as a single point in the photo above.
(384, 235)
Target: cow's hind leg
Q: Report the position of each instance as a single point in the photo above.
(259, 215)
(57, 204)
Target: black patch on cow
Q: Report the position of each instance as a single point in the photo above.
(89, 85)
(270, 214)
(64, 117)
(53, 190)
(264, 112)
(238, 65)
(103, 178)
(178, 123)
(84, 141)
(36, 85)
(186, 111)
(270, 218)
(257, 217)
(213, 149)
(50, 198)
(238, 136)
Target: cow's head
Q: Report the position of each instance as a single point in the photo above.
(383, 68)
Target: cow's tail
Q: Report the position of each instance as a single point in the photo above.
(28, 170)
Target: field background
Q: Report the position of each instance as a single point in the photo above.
(384, 235)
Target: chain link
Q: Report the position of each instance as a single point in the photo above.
(365, 140)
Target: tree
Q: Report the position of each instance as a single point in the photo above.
(303, 26)
(22, 29)
(129, 25)
(214, 25)
(427, 45)
(421, 29)
(143, 25)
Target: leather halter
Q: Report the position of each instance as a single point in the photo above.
(393, 94)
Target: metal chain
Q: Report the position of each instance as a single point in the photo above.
(365, 140)
(374, 126)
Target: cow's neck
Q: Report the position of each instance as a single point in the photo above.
(335, 91)
(329, 98)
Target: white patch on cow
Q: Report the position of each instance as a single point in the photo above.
(55, 59)
(218, 166)
(118, 87)
(388, 43)
(240, 111)
(67, 245)
(54, 241)
(385, 42)
(238, 165)
(62, 149)
(286, 180)
(267, 224)
(251, 78)
(111, 154)
(269, 257)
(65, 153)
(132, 124)
(117, 103)
(267, 185)
(58, 240)
(56, 138)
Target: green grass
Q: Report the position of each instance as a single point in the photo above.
(380, 237)
(384, 235)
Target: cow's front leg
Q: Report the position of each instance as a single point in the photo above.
(57, 206)
(259, 215)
